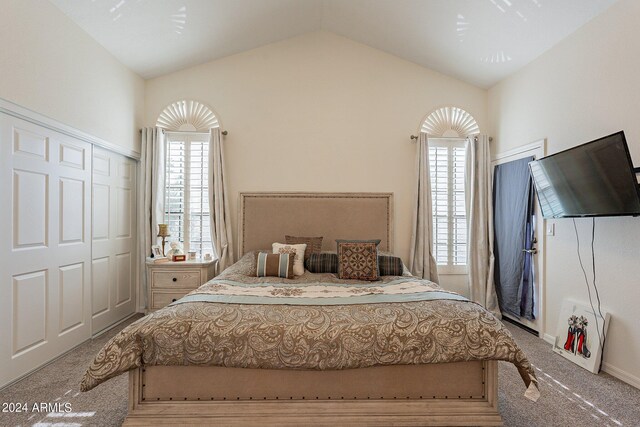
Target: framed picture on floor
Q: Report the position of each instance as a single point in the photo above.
(579, 334)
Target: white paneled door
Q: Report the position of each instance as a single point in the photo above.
(45, 248)
(114, 244)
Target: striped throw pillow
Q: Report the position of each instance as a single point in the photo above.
(322, 263)
(390, 265)
(274, 265)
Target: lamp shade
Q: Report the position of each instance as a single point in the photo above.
(163, 230)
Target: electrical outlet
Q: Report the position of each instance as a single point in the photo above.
(551, 229)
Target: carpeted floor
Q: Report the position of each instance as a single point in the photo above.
(570, 395)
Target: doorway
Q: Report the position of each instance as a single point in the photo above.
(532, 242)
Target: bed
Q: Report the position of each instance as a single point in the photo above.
(314, 349)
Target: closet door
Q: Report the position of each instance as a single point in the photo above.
(45, 250)
(114, 239)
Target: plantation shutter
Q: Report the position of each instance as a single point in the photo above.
(447, 164)
(175, 189)
(187, 192)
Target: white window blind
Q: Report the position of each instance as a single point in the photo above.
(187, 191)
(447, 164)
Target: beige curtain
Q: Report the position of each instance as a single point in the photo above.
(421, 260)
(150, 195)
(219, 203)
(479, 206)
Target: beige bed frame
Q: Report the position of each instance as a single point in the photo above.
(460, 394)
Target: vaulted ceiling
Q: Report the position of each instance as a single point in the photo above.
(478, 41)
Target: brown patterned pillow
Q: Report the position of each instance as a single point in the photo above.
(358, 259)
(314, 244)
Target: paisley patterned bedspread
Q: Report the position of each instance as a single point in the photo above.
(315, 321)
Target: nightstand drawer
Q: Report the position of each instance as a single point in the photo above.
(170, 281)
(163, 299)
(176, 279)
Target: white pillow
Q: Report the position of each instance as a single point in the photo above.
(297, 251)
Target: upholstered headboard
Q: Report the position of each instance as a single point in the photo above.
(266, 218)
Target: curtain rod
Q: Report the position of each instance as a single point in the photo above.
(475, 138)
(224, 132)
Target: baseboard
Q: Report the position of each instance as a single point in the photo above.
(549, 338)
(608, 368)
(108, 328)
(515, 322)
(60, 356)
(43, 365)
(621, 375)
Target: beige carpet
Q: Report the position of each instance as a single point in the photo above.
(570, 395)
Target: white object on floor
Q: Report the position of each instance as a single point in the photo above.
(579, 334)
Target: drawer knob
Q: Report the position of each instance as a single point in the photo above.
(174, 300)
(175, 280)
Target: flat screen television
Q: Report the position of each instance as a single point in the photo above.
(592, 179)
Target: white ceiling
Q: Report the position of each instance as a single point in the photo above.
(479, 41)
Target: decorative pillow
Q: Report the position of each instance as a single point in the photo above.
(298, 253)
(322, 263)
(358, 259)
(276, 265)
(314, 244)
(390, 265)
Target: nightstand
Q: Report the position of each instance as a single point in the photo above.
(170, 281)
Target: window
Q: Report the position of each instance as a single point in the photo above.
(447, 164)
(187, 191)
(448, 128)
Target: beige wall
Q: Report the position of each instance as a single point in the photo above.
(584, 88)
(49, 65)
(319, 113)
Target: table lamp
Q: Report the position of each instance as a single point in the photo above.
(163, 231)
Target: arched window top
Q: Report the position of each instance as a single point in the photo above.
(187, 116)
(450, 122)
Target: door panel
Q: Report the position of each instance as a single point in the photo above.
(71, 210)
(46, 261)
(100, 285)
(71, 297)
(30, 196)
(29, 311)
(114, 245)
